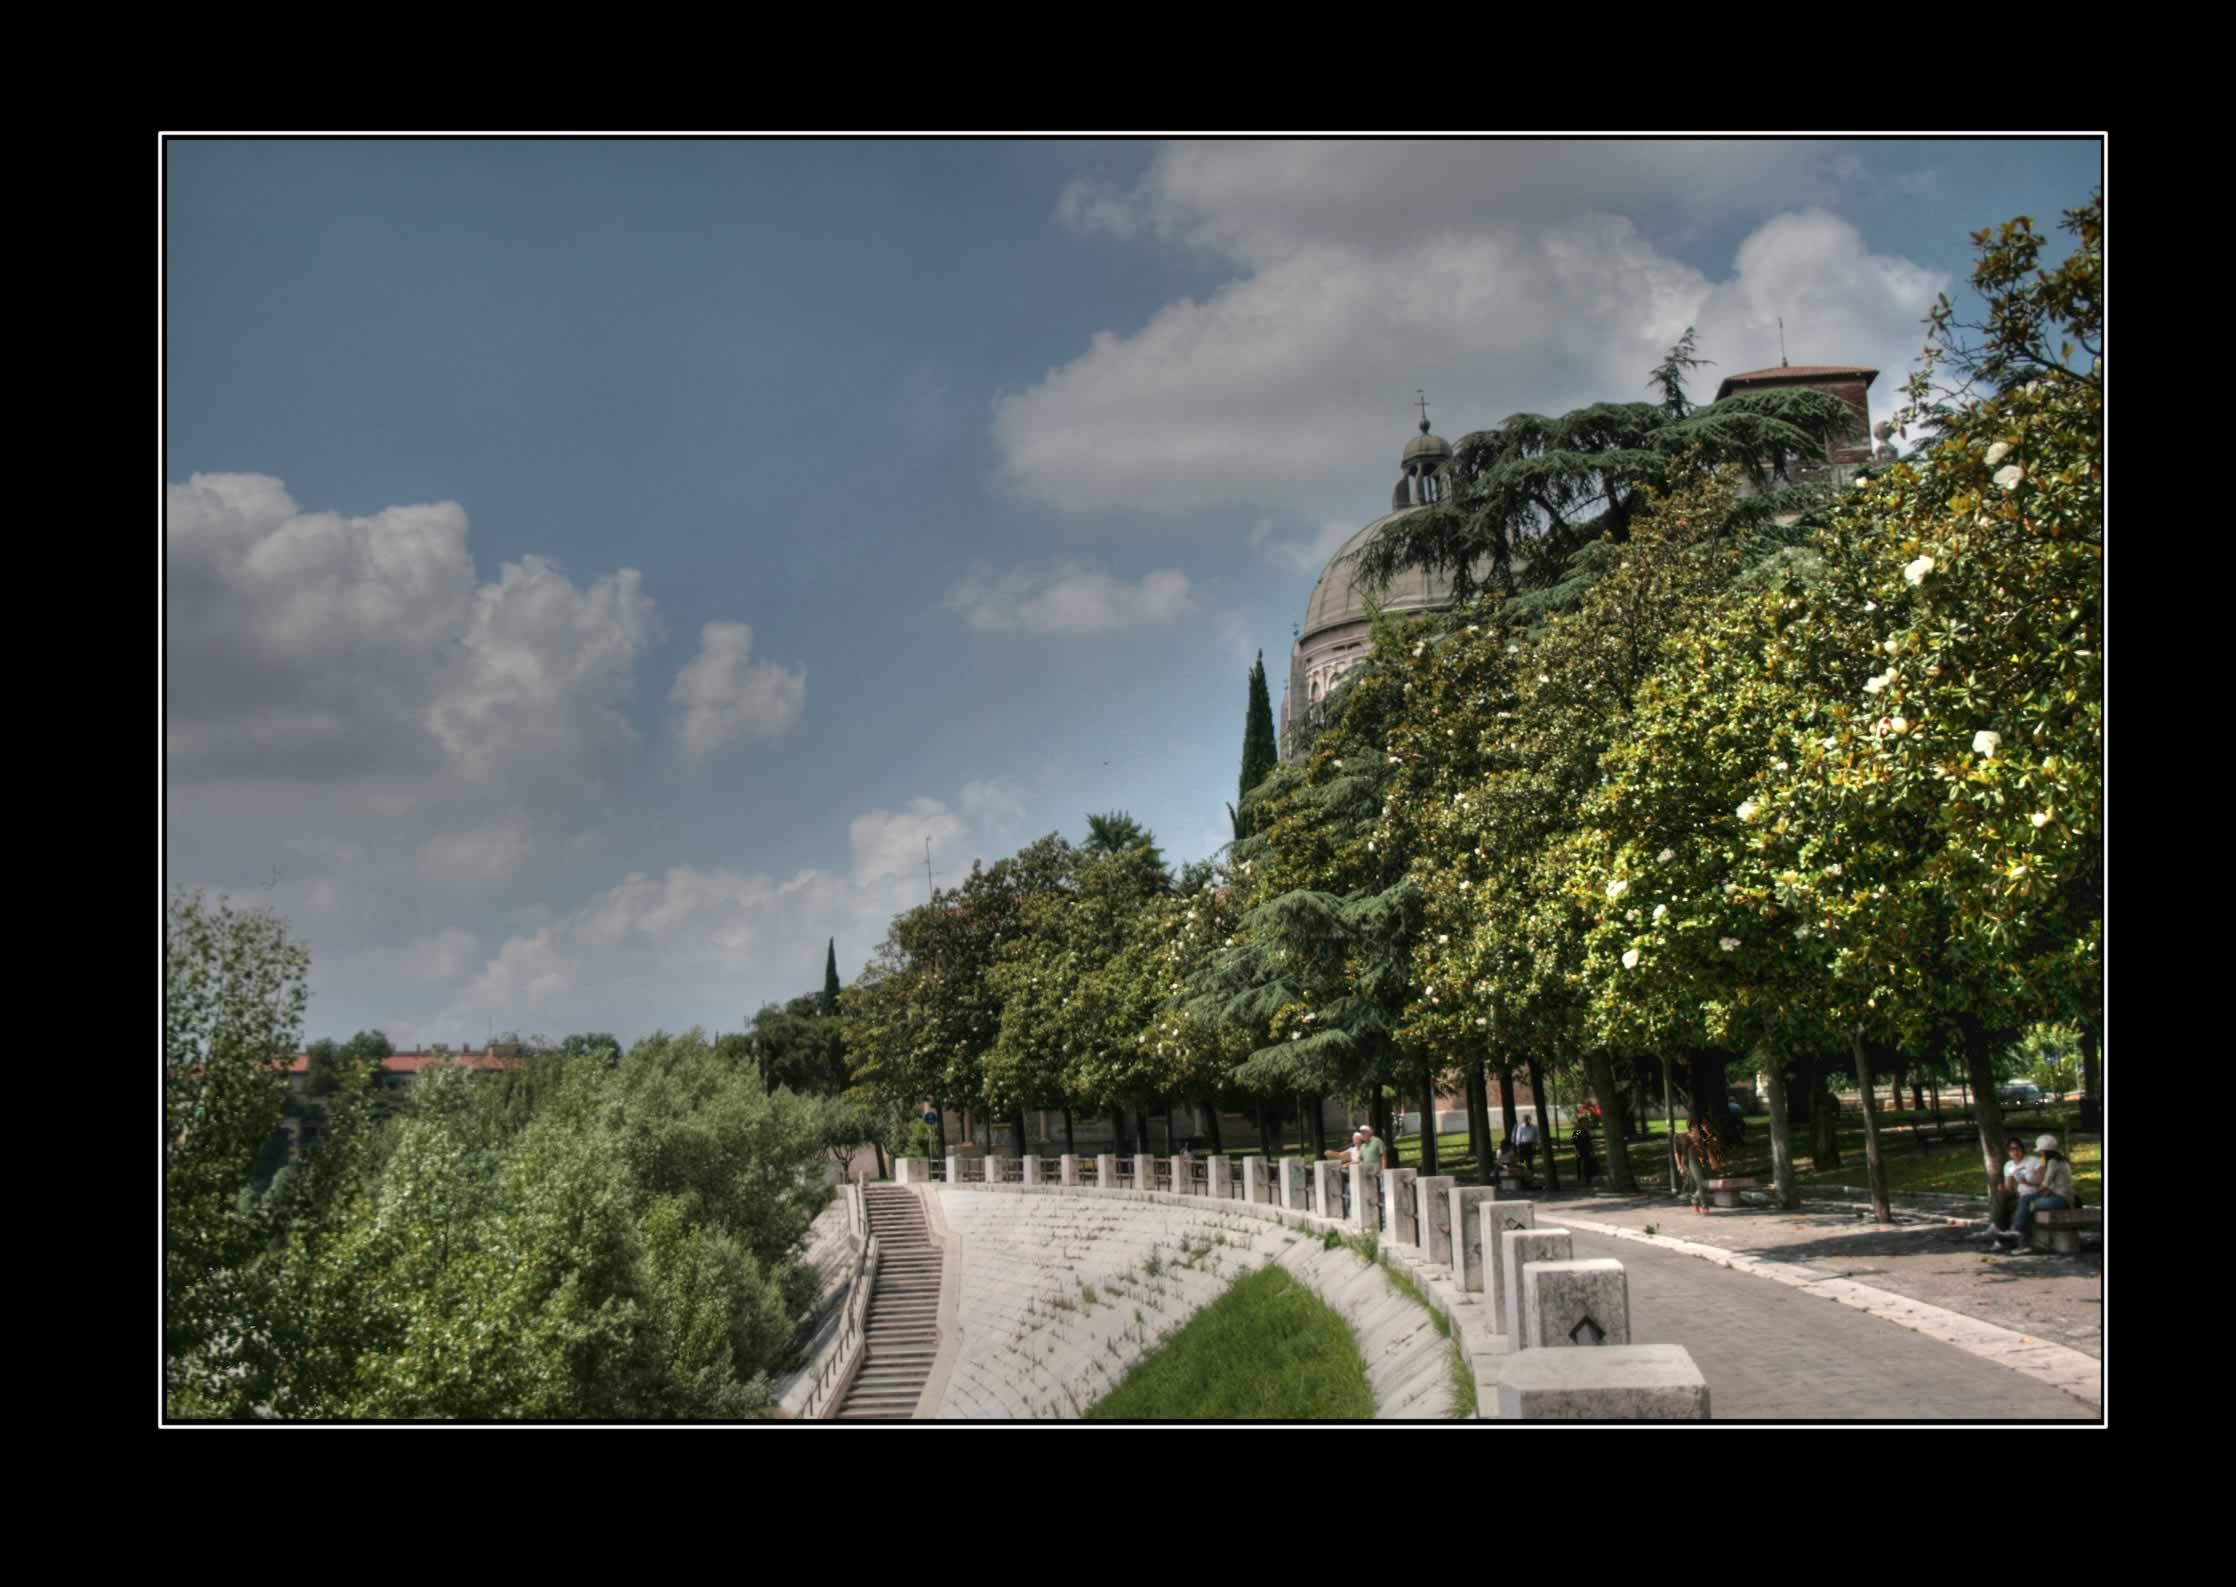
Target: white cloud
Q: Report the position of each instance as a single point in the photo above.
(992, 805)
(891, 842)
(318, 647)
(722, 698)
(481, 854)
(1495, 276)
(1068, 600)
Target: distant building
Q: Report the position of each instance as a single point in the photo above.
(1335, 635)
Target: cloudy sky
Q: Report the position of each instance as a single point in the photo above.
(592, 572)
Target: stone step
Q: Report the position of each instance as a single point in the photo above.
(883, 1401)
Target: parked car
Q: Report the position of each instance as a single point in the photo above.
(2019, 1094)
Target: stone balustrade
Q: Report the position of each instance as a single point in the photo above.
(1546, 1336)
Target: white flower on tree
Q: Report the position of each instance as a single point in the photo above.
(1729, 944)
(1874, 685)
(1915, 573)
(1998, 452)
(1630, 960)
(1616, 890)
(1748, 809)
(1666, 856)
(1985, 743)
(2009, 476)
(1661, 912)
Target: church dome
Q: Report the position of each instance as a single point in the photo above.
(1427, 445)
(1340, 597)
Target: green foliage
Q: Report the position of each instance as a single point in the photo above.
(234, 990)
(1260, 752)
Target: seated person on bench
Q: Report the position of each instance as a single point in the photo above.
(2055, 1194)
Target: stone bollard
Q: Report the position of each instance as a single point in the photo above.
(954, 1168)
(1469, 1261)
(1619, 1383)
(912, 1171)
(1221, 1172)
(1574, 1303)
(1435, 1195)
(992, 1169)
(1254, 1184)
(1400, 1213)
(1182, 1182)
(1327, 1191)
(1067, 1168)
(1106, 1171)
(1517, 1248)
(1365, 1199)
(1292, 1185)
(1031, 1174)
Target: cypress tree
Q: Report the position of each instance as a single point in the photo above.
(830, 979)
(1260, 754)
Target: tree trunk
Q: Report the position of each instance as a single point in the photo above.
(1428, 1120)
(1211, 1114)
(1017, 1130)
(1781, 1139)
(1824, 1148)
(1507, 1110)
(1544, 1123)
(939, 1131)
(1071, 1147)
(1143, 1146)
(1602, 1071)
(1873, 1157)
(879, 1148)
(1317, 1123)
(1479, 1119)
(1669, 1121)
(1979, 1073)
(1168, 1129)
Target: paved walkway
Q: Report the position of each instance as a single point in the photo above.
(1925, 1258)
(1769, 1351)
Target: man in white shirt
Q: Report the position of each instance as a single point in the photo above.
(1525, 1142)
(2006, 1199)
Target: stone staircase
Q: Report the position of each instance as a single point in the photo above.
(902, 1328)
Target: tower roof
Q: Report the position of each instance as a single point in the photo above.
(1795, 374)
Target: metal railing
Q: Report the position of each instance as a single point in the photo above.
(1161, 1174)
(837, 1370)
(1051, 1170)
(1126, 1173)
(1199, 1177)
(937, 1168)
(1013, 1171)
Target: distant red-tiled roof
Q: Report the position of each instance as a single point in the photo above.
(1795, 372)
(410, 1063)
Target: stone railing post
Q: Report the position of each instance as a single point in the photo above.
(1178, 1167)
(1574, 1303)
(1434, 1192)
(912, 1171)
(1067, 1168)
(1106, 1171)
(1031, 1174)
(1467, 1234)
(1221, 1172)
(1366, 1198)
(1400, 1222)
(1292, 1185)
(1500, 1219)
(1253, 1179)
(1619, 1383)
(1327, 1196)
(954, 1169)
(1517, 1249)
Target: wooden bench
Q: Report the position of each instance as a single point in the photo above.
(2061, 1230)
(1725, 1192)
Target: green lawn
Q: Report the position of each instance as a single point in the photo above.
(1267, 1350)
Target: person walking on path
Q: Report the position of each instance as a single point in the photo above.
(1692, 1146)
(1525, 1142)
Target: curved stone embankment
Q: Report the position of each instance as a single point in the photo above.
(1056, 1299)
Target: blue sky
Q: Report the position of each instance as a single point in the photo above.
(990, 464)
